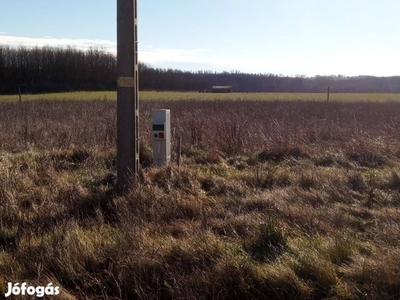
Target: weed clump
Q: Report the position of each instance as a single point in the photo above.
(278, 154)
(8, 240)
(268, 243)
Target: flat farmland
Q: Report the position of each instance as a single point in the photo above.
(176, 96)
(273, 200)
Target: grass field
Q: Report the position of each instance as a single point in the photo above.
(174, 96)
(274, 200)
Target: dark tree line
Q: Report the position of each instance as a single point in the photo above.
(161, 79)
(39, 70)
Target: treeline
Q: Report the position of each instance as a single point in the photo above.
(37, 70)
(47, 69)
(176, 80)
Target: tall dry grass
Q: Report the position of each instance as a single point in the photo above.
(274, 200)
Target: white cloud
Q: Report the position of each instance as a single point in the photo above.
(83, 44)
(188, 59)
(155, 55)
(183, 59)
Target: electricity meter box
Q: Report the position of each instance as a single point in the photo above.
(161, 137)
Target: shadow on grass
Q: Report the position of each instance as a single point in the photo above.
(80, 209)
(88, 207)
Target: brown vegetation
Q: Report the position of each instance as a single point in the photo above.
(275, 200)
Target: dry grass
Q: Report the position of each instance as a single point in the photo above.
(275, 200)
(178, 96)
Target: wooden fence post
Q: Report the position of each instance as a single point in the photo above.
(327, 97)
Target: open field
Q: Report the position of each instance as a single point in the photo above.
(174, 96)
(275, 200)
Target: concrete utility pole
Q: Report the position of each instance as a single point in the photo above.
(127, 95)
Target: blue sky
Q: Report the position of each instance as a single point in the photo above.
(289, 37)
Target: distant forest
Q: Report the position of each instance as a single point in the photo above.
(47, 69)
